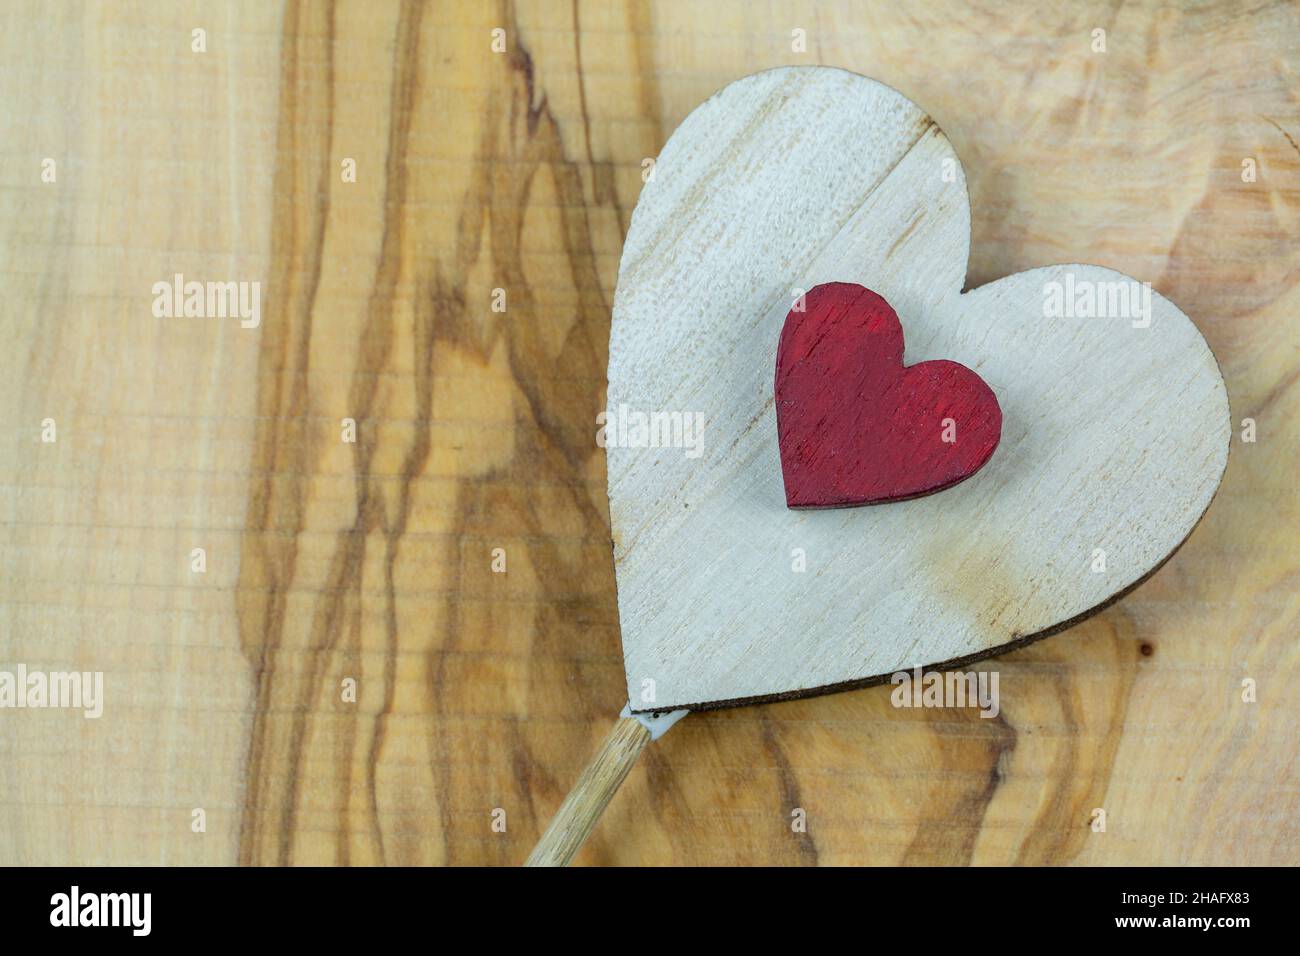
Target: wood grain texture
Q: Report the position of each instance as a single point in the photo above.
(1116, 420)
(480, 691)
(857, 427)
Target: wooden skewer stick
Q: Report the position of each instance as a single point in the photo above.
(587, 800)
(589, 797)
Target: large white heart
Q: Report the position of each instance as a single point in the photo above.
(1115, 431)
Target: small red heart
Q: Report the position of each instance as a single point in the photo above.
(858, 428)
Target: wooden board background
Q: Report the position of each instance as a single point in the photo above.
(518, 170)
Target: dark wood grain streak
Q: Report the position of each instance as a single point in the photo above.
(558, 383)
(790, 796)
(1085, 762)
(951, 817)
(375, 346)
(267, 562)
(275, 732)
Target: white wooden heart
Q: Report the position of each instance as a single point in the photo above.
(1115, 431)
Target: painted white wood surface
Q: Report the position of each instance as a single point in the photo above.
(1115, 436)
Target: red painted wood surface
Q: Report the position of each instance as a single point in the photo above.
(858, 428)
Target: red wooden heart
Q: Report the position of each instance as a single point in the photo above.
(858, 428)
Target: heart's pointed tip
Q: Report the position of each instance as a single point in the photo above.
(793, 500)
(808, 505)
(801, 498)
